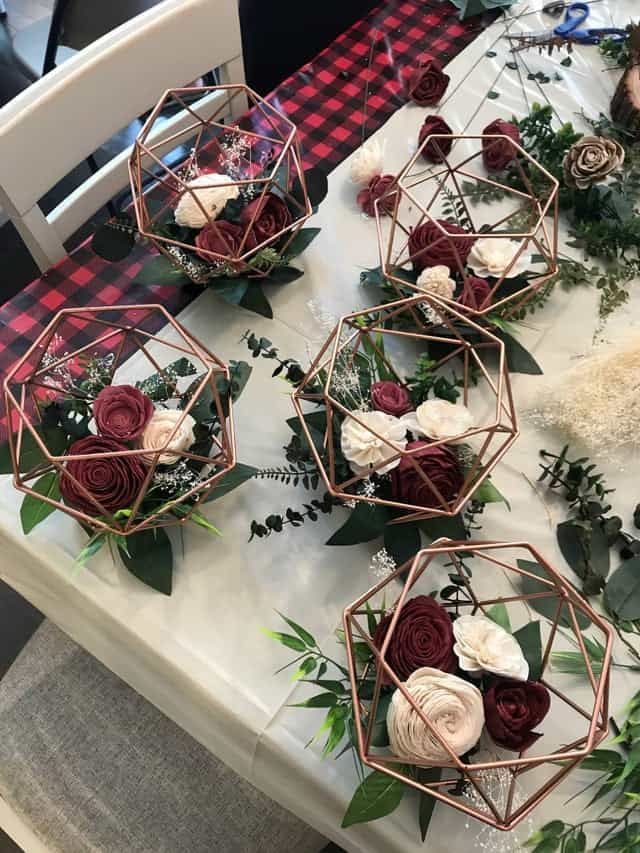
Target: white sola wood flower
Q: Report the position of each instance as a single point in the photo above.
(440, 420)
(483, 646)
(437, 280)
(363, 450)
(367, 162)
(491, 256)
(213, 191)
(453, 707)
(160, 429)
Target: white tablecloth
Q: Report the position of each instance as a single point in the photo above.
(199, 655)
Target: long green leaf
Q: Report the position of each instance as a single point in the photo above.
(499, 614)
(377, 796)
(365, 523)
(150, 558)
(546, 606)
(54, 438)
(303, 238)
(427, 802)
(622, 592)
(160, 270)
(530, 640)
(234, 478)
(34, 510)
(320, 700)
(307, 638)
(287, 640)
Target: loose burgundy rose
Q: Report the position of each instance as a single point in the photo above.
(475, 293)
(114, 481)
(426, 82)
(498, 153)
(271, 217)
(436, 150)
(429, 247)
(513, 709)
(439, 464)
(391, 398)
(378, 187)
(423, 636)
(220, 237)
(122, 411)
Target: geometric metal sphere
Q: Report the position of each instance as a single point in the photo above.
(259, 157)
(497, 786)
(454, 204)
(374, 340)
(49, 395)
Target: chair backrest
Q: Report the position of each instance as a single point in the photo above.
(66, 115)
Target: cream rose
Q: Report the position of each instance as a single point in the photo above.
(437, 280)
(160, 429)
(492, 256)
(483, 646)
(367, 162)
(439, 419)
(213, 191)
(453, 707)
(590, 160)
(363, 449)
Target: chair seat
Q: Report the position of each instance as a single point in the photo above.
(90, 765)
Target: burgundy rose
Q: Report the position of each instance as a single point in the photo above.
(475, 293)
(498, 153)
(391, 398)
(513, 709)
(113, 481)
(378, 187)
(429, 247)
(220, 237)
(423, 636)
(439, 464)
(122, 411)
(426, 82)
(271, 216)
(436, 150)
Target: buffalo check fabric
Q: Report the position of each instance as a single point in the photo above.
(342, 96)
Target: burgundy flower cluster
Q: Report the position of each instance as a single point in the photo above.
(423, 636)
(105, 482)
(265, 217)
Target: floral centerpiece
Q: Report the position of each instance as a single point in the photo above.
(230, 215)
(125, 457)
(399, 427)
(449, 689)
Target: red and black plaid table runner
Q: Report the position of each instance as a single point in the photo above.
(325, 99)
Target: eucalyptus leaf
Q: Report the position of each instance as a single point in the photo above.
(377, 796)
(33, 510)
(584, 546)
(365, 522)
(150, 558)
(622, 592)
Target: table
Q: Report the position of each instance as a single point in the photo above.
(200, 655)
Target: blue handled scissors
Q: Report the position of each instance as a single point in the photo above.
(576, 14)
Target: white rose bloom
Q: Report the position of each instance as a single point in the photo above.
(436, 280)
(363, 449)
(367, 162)
(160, 428)
(483, 646)
(490, 256)
(453, 707)
(213, 191)
(440, 419)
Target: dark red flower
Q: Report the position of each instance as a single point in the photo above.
(122, 411)
(498, 153)
(271, 217)
(439, 464)
(428, 246)
(437, 149)
(220, 237)
(425, 82)
(378, 186)
(475, 293)
(423, 636)
(513, 709)
(391, 398)
(114, 481)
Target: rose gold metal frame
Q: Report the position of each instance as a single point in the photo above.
(366, 325)
(561, 761)
(146, 162)
(543, 235)
(24, 405)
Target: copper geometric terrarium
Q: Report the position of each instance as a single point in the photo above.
(498, 785)
(498, 241)
(162, 472)
(219, 199)
(456, 413)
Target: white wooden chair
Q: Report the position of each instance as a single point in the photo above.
(69, 113)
